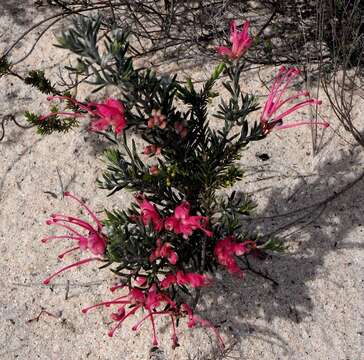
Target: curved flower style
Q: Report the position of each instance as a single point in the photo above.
(270, 119)
(193, 320)
(110, 113)
(148, 299)
(63, 113)
(182, 223)
(94, 240)
(226, 249)
(152, 300)
(164, 251)
(241, 42)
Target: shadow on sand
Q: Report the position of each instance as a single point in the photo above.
(313, 220)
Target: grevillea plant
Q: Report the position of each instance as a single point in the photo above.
(180, 227)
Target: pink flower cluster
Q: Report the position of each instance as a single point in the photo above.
(157, 120)
(87, 236)
(111, 113)
(226, 250)
(155, 303)
(154, 298)
(241, 42)
(271, 117)
(149, 213)
(149, 300)
(181, 222)
(164, 251)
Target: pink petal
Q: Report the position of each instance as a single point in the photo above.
(116, 104)
(100, 124)
(224, 51)
(182, 211)
(296, 107)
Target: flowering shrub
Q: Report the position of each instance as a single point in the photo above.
(179, 229)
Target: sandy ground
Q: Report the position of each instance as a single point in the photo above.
(315, 313)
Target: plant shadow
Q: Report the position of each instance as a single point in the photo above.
(314, 220)
(18, 10)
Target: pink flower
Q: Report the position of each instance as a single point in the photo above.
(193, 279)
(110, 113)
(182, 223)
(94, 240)
(155, 298)
(154, 170)
(135, 297)
(164, 251)
(148, 299)
(141, 280)
(226, 249)
(152, 150)
(157, 119)
(149, 214)
(181, 129)
(180, 278)
(240, 40)
(154, 303)
(169, 280)
(270, 119)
